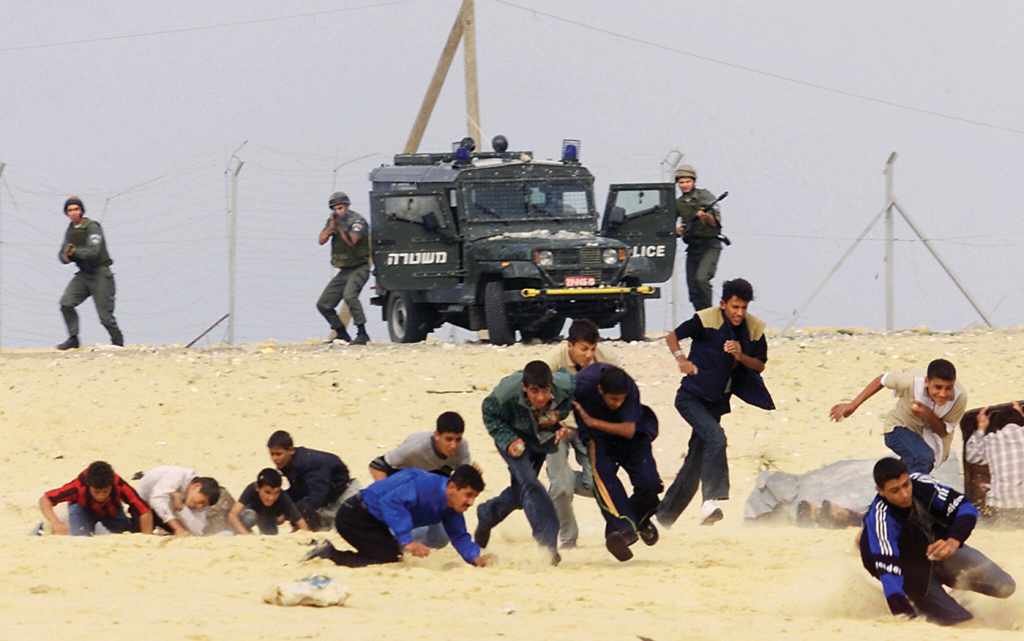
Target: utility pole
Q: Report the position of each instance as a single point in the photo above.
(889, 249)
(235, 165)
(668, 167)
(3, 166)
(469, 53)
(465, 18)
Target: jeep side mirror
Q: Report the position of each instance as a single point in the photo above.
(430, 222)
(616, 216)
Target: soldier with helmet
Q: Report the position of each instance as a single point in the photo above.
(85, 245)
(700, 230)
(350, 253)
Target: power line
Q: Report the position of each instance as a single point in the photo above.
(762, 72)
(218, 25)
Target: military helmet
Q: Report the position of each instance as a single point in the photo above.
(338, 198)
(74, 200)
(686, 171)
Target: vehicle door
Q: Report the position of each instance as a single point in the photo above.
(415, 241)
(643, 216)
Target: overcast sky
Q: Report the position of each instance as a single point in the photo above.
(791, 106)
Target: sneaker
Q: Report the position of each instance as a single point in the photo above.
(362, 338)
(38, 530)
(331, 336)
(648, 533)
(323, 550)
(482, 533)
(70, 343)
(618, 543)
(712, 513)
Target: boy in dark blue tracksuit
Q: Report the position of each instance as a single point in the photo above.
(913, 542)
(617, 431)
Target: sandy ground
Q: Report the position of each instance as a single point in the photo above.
(214, 409)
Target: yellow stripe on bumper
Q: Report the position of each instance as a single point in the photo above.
(586, 291)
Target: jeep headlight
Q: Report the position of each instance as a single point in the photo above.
(543, 258)
(610, 256)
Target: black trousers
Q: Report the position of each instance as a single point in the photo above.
(607, 456)
(370, 537)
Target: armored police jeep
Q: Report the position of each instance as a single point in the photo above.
(500, 241)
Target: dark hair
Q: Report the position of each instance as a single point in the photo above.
(280, 440)
(739, 288)
(467, 476)
(99, 475)
(208, 487)
(614, 380)
(537, 374)
(941, 368)
(585, 330)
(451, 423)
(887, 469)
(269, 477)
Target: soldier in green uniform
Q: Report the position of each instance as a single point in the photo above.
(700, 231)
(350, 253)
(86, 246)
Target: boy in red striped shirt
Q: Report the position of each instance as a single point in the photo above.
(96, 496)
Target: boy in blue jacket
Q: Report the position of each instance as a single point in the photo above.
(378, 522)
(913, 542)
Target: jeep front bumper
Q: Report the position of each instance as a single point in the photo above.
(554, 293)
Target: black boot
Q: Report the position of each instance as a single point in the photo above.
(362, 338)
(70, 343)
(116, 337)
(342, 335)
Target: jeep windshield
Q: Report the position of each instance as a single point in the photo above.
(528, 201)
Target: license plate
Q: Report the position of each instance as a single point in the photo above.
(580, 281)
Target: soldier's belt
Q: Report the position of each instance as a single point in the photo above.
(642, 290)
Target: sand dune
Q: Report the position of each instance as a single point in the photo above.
(213, 410)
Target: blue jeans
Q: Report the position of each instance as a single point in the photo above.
(911, 448)
(705, 463)
(433, 536)
(527, 493)
(967, 569)
(82, 522)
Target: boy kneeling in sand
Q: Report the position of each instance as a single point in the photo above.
(179, 497)
(318, 482)
(96, 497)
(378, 522)
(913, 543)
(265, 504)
(440, 452)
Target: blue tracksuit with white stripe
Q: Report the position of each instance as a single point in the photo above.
(894, 541)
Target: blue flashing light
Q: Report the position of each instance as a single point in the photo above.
(570, 151)
(462, 155)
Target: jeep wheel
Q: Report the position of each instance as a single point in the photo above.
(547, 331)
(408, 322)
(498, 327)
(633, 326)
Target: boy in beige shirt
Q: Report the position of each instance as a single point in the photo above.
(920, 427)
(579, 351)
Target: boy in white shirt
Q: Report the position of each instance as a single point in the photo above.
(179, 498)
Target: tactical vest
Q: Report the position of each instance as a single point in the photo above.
(686, 209)
(344, 256)
(78, 235)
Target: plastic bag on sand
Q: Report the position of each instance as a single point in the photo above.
(320, 591)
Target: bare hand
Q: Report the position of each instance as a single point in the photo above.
(564, 434)
(586, 418)
(983, 420)
(733, 347)
(840, 411)
(60, 527)
(516, 448)
(484, 560)
(921, 411)
(69, 252)
(942, 549)
(705, 217)
(182, 533)
(417, 549)
(687, 367)
(680, 228)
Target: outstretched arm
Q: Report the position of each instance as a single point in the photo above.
(845, 410)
